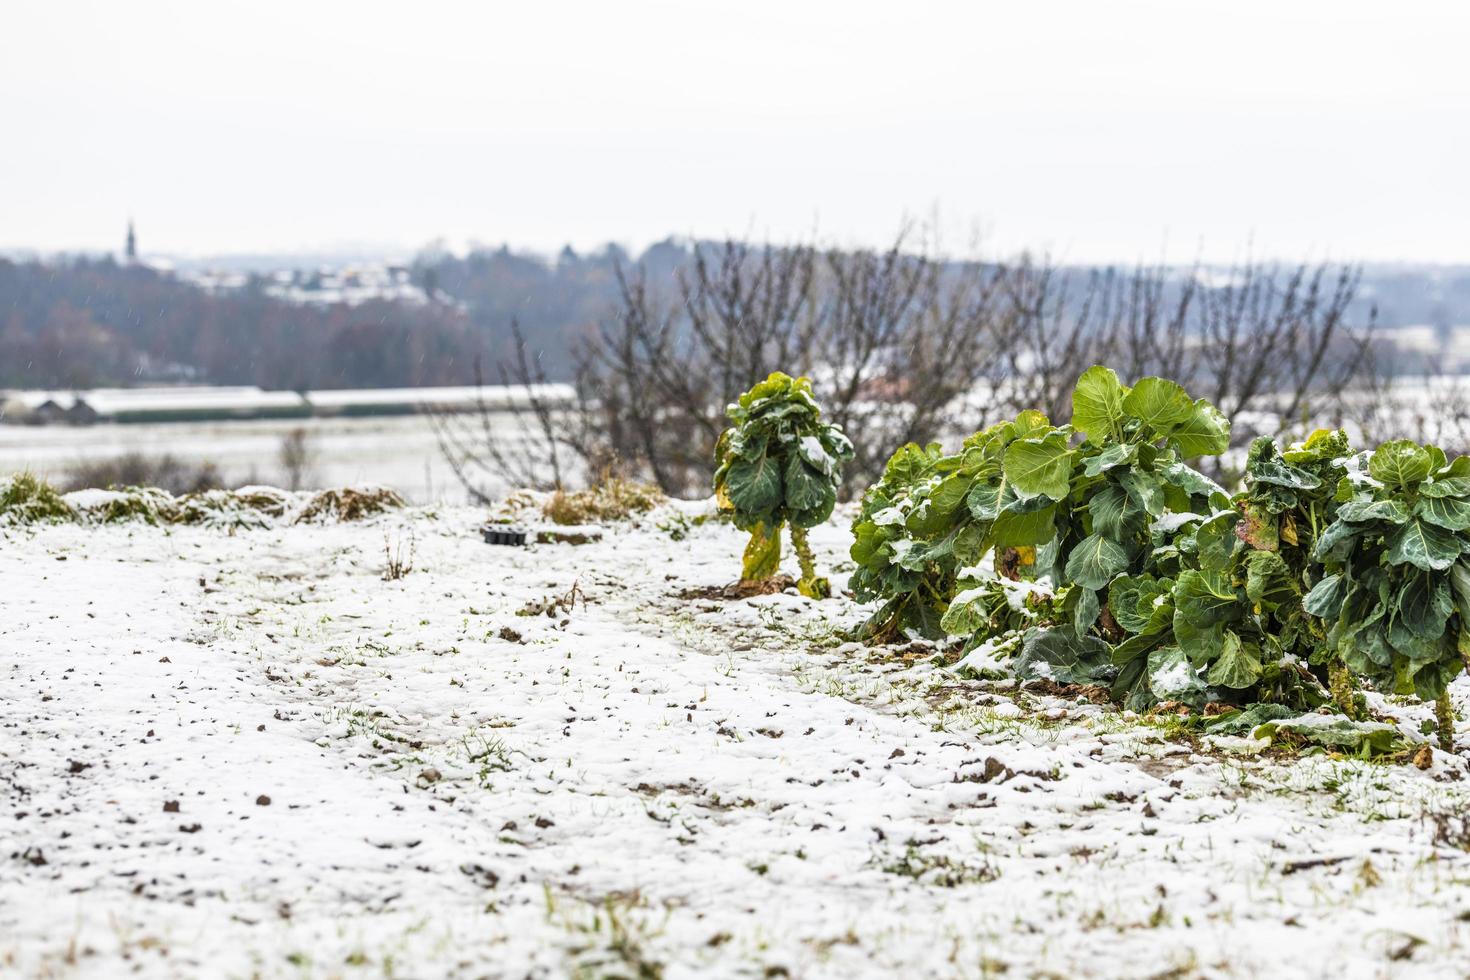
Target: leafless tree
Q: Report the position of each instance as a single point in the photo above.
(904, 345)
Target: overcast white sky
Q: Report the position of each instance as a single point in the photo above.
(1097, 130)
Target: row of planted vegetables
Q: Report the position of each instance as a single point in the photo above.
(1093, 553)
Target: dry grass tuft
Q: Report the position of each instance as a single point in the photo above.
(350, 504)
(27, 499)
(611, 498)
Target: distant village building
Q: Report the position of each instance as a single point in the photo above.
(132, 246)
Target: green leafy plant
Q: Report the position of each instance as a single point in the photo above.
(27, 499)
(1043, 504)
(1396, 589)
(1109, 512)
(779, 464)
(933, 514)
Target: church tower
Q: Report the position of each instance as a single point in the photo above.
(132, 251)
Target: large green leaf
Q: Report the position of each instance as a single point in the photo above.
(1095, 560)
(1202, 644)
(1086, 609)
(1362, 509)
(1205, 433)
(1400, 463)
(1018, 530)
(1422, 545)
(1064, 658)
(754, 485)
(1189, 479)
(1114, 513)
(1335, 542)
(1460, 585)
(1206, 598)
(1449, 486)
(1325, 599)
(1362, 738)
(1268, 581)
(1239, 664)
(986, 499)
(1425, 605)
(1215, 542)
(1145, 489)
(1141, 603)
(1040, 467)
(1447, 512)
(1114, 454)
(1097, 403)
(1159, 404)
(806, 489)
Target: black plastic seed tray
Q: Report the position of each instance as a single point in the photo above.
(505, 534)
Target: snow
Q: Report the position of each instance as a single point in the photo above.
(1171, 522)
(717, 788)
(889, 516)
(812, 452)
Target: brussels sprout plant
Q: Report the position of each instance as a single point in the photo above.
(780, 464)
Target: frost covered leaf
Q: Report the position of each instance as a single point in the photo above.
(1278, 473)
(805, 489)
(1245, 720)
(1173, 678)
(1362, 738)
(1064, 658)
(1363, 509)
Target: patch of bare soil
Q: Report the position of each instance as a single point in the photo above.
(740, 590)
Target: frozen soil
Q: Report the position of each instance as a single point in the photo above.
(249, 754)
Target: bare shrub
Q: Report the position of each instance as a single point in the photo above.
(134, 469)
(905, 345)
(295, 456)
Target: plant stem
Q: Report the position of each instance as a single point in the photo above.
(810, 585)
(803, 552)
(1444, 714)
(1344, 691)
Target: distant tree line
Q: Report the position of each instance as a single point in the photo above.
(86, 322)
(83, 322)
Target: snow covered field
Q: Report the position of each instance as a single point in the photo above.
(397, 451)
(237, 754)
